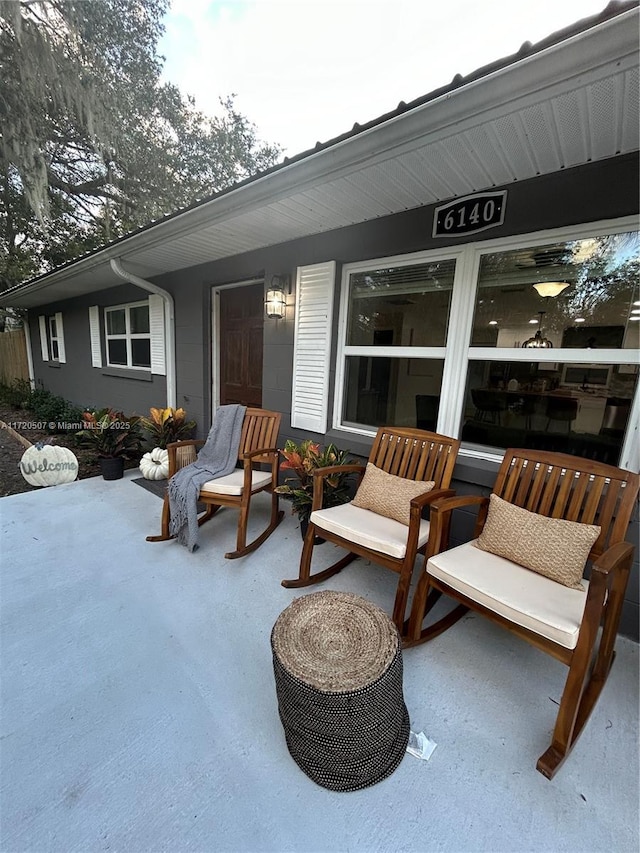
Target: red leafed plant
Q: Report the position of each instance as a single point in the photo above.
(303, 459)
(111, 433)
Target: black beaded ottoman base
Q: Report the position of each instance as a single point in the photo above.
(337, 661)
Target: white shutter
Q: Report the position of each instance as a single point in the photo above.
(62, 356)
(94, 331)
(156, 326)
(42, 320)
(312, 346)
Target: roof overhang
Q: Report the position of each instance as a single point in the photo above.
(571, 103)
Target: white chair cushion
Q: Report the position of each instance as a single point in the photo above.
(368, 529)
(233, 483)
(520, 595)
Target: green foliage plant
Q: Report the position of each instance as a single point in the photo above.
(111, 434)
(303, 459)
(16, 394)
(49, 408)
(53, 409)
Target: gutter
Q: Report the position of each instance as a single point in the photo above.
(169, 323)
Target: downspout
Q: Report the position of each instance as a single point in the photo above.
(27, 340)
(169, 323)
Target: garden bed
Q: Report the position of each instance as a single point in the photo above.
(24, 427)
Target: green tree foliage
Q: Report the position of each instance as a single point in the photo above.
(92, 143)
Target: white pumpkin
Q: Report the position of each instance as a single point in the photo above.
(48, 465)
(155, 464)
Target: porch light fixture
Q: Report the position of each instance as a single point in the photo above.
(538, 341)
(551, 288)
(275, 304)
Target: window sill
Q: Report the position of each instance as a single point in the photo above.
(477, 468)
(472, 466)
(128, 373)
(358, 445)
(55, 364)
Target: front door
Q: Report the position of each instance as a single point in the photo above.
(241, 318)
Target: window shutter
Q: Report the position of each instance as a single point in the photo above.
(156, 326)
(94, 331)
(62, 356)
(312, 346)
(42, 320)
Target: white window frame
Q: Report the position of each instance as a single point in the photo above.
(48, 339)
(127, 336)
(458, 353)
(446, 253)
(54, 339)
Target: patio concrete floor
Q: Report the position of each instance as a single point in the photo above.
(139, 710)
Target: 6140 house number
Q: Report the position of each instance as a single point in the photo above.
(469, 214)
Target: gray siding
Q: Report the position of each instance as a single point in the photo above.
(77, 380)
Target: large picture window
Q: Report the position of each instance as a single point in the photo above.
(128, 336)
(523, 342)
(578, 294)
(402, 306)
(396, 335)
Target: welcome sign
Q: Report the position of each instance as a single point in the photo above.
(48, 465)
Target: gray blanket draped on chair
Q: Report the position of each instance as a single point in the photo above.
(216, 458)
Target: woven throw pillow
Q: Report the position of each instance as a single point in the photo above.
(389, 495)
(552, 547)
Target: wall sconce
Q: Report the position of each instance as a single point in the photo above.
(551, 288)
(275, 304)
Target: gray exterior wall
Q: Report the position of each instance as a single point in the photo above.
(605, 190)
(76, 380)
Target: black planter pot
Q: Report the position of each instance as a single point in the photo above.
(304, 524)
(112, 467)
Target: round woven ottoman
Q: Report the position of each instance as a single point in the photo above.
(337, 660)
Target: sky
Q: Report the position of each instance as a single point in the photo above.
(305, 71)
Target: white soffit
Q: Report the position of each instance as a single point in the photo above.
(515, 132)
(572, 103)
(587, 123)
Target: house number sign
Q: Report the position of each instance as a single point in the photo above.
(469, 214)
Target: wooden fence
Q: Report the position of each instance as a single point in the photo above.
(13, 356)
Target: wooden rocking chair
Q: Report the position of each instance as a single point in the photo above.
(411, 454)
(562, 621)
(257, 447)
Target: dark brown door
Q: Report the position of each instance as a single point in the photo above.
(241, 318)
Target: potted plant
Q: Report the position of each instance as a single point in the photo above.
(114, 437)
(303, 459)
(167, 425)
(163, 427)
